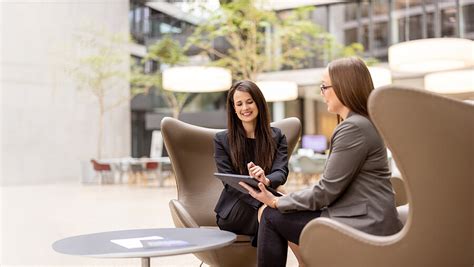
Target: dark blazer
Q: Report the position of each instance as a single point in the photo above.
(277, 175)
(355, 187)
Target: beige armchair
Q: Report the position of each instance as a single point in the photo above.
(400, 191)
(191, 151)
(432, 141)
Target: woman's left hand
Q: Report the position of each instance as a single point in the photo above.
(263, 196)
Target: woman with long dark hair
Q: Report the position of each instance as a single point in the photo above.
(354, 188)
(249, 146)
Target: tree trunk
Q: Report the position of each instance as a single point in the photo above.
(172, 102)
(101, 127)
(176, 112)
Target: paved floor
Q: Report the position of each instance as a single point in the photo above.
(33, 217)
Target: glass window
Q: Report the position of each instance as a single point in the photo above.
(380, 7)
(380, 35)
(365, 9)
(468, 11)
(351, 11)
(155, 28)
(167, 28)
(448, 22)
(430, 25)
(365, 36)
(400, 4)
(409, 28)
(146, 20)
(138, 14)
(130, 15)
(415, 27)
(402, 29)
(138, 20)
(404, 4)
(350, 36)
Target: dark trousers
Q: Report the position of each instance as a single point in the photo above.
(274, 232)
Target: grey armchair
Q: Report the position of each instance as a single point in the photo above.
(191, 151)
(432, 141)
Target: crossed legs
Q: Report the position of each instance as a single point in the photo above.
(278, 230)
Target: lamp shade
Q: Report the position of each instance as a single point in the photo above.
(197, 79)
(275, 91)
(430, 55)
(451, 82)
(380, 76)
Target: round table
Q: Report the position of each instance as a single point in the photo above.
(162, 241)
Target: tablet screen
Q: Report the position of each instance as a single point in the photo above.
(234, 179)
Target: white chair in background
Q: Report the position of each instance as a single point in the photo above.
(156, 153)
(156, 149)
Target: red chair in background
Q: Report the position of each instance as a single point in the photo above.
(152, 166)
(104, 171)
(151, 169)
(141, 172)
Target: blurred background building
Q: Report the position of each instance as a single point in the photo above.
(48, 126)
(376, 24)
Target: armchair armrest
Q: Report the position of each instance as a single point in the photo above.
(326, 242)
(181, 216)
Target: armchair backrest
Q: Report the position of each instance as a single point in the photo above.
(191, 151)
(432, 141)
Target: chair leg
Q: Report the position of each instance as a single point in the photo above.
(106, 177)
(159, 176)
(143, 178)
(306, 178)
(131, 177)
(111, 177)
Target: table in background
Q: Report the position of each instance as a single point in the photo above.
(306, 164)
(99, 245)
(307, 167)
(122, 165)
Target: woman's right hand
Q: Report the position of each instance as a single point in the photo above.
(258, 173)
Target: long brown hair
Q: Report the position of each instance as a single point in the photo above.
(265, 145)
(352, 83)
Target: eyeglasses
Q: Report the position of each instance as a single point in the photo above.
(324, 88)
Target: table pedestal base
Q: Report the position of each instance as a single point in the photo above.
(145, 262)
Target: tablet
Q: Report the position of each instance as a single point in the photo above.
(234, 179)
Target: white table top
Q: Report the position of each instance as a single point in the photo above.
(99, 244)
(135, 160)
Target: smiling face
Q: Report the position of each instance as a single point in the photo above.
(334, 104)
(245, 107)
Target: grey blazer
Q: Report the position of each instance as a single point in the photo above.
(355, 187)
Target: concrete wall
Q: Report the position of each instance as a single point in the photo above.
(48, 126)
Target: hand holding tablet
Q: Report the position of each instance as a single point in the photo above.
(234, 179)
